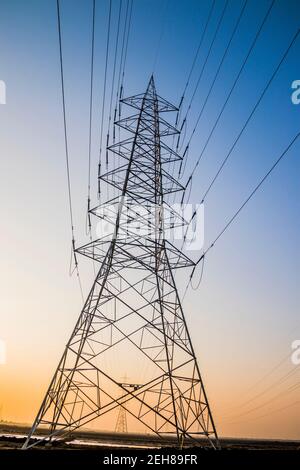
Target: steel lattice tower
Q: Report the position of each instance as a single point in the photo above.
(133, 301)
(121, 424)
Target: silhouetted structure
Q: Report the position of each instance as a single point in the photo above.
(133, 301)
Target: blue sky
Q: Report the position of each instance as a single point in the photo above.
(246, 312)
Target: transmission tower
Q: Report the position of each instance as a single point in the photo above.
(121, 424)
(133, 302)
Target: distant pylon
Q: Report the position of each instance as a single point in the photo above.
(121, 424)
(133, 308)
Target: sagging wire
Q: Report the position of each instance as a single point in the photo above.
(76, 268)
(203, 67)
(202, 258)
(67, 151)
(160, 37)
(188, 185)
(113, 80)
(217, 72)
(104, 97)
(183, 162)
(267, 86)
(267, 14)
(124, 61)
(120, 69)
(88, 218)
(194, 63)
(235, 215)
(231, 220)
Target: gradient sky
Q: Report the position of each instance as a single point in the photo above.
(245, 314)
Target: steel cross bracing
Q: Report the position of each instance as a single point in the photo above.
(133, 302)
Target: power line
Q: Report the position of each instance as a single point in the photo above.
(250, 196)
(123, 65)
(202, 69)
(277, 410)
(162, 30)
(104, 93)
(274, 384)
(66, 144)
(188, 81)
(201, 258)
(113, 79)
(195, 57)
(270, 372)
(90, 118)
(201, 276)
(189, 78)
(64, 117)
(126, 50)
(232, 88)
(251, 114)
(216, 76)
(277, 382)
(115, 63)
(246, 123)
(291, 389)
(189, 181)
(120, 66)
